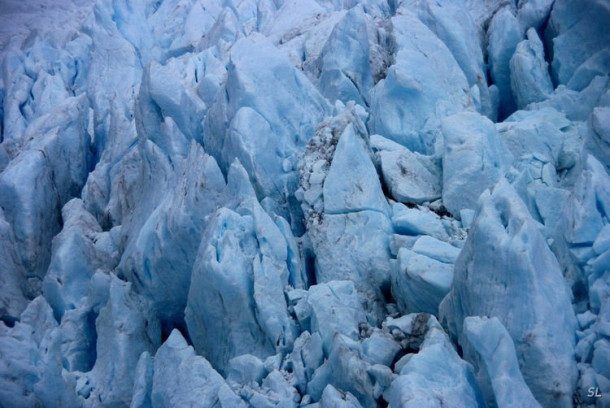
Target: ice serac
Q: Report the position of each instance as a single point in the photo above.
(361, 191)
(76, 257)
(475, 158)
(350, 234)
(589, 204)
(577, 105)
(56, 160)
(263, 203)
(455, 27)
(529, 74)
(78, 332)
(332, 398)
(111, 95)
(580, 37)
(306, 356)
(515, 272)
(236, 299)
(259, 124)
(345, 70)
(126, 327)
(504, 36)
(31, 361)
(18, 372)
(423, 85)
(13, 300)
(417, 221)
(490, 348)
(222, 287)
(182, 378)
(344, 369)
(543, 135)
(546, 146)
(587, 237)
(332, 308)
(161, 256)
(143, 378)
(435, 376)
(533, 13)
(423, 275)
(598, 136)
(168, 99)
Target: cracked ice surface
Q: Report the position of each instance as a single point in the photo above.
(304, 203)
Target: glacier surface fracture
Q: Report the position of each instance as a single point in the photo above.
(305, 203)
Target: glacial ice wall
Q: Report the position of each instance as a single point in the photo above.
(304, 203)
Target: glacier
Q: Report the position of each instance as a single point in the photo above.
(305, 203)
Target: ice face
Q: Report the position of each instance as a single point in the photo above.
(435, 371)
(269, 203)
(492, 352)
(498, 284)
(407, 105)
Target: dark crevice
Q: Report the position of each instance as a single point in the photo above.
(442, 211)
(8, 320)
(310, 267)
(459, 349)
(547, 43)
(92, 349)
(60, 219)
(180, 325)
(381, 402)
(386, 291)
(401, 353)
(580, 291)
(384, 187)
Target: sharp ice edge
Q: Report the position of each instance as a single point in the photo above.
(317, 203)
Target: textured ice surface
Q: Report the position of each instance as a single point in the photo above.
(571, 23)
(424, 274)
(474, 159)
(236, 299)
(265, 203)
(529, 76)
(499, 281)
(492, 351)
(424, 84)
(435, 376)
(410, 177)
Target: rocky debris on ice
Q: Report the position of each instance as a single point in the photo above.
(351, 212)
(410, 177)
(241, 122)
(435, 376)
